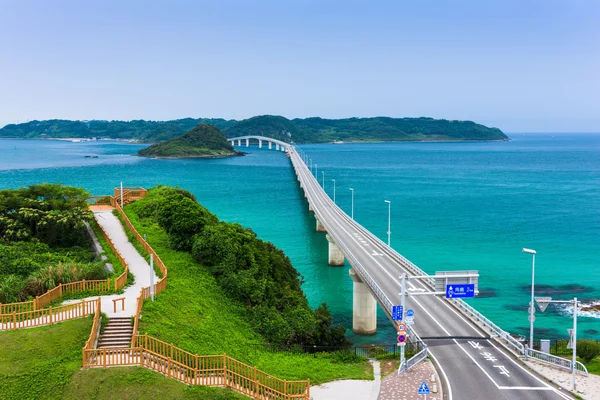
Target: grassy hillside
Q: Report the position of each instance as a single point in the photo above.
(195, 313)
(45, 363)
(307, 130)
(202, 141)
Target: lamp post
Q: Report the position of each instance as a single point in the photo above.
(317, 172)
(323, 172)
(311, 165)
(352, 190)
(531, 304)
(333, 190)
(389, 231)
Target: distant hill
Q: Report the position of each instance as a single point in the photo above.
(203, 141)
(320, 130)
(307, 130)
(150, 131)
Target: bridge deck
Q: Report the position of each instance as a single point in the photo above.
(476, 368)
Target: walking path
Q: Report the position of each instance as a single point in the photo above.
(587, 387)
(349, 389)
(137, 266)
(406, 387)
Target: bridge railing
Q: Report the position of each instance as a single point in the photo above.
(407, 264)
(384, 301)
(556, 361)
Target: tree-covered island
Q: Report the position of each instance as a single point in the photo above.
(203, 141)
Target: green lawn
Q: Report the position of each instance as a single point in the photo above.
(193, 313)
(133, 383)
(38, 363)
(45, 363)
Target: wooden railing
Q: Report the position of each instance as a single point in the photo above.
(9, 308)
(129, 194)
(193, 369)
(47, 316)
(95, 332)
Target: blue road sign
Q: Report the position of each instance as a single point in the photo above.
(423, 389)
(460, 291)
(397, 313)
(410, 313)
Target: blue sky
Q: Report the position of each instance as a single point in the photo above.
(522, 66)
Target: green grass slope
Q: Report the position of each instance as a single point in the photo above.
(45, 363)
(194, 313)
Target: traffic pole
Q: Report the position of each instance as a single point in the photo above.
(574, 338)
(402, 303)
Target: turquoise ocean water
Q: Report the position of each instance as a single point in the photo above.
(454, 206)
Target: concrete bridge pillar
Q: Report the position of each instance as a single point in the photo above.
(364, 310)
(260, 143)
(247, 142)
(277, 146)
(310, 206)
(336, 256)
(239, 142)
(232, 143)
(282, 148)
(320, 226)
(270, 145)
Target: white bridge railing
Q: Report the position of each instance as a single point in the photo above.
(556, 361)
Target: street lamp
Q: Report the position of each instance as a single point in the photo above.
(311, 165)
(352, 190)
(531, 304)
(317, 172)
(323, 172)
(333, 190)
(389, 232)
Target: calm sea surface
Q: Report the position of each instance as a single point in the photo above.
(454, 206)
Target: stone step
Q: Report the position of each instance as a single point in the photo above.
(114, 343)
(109, 331)
(116, 337)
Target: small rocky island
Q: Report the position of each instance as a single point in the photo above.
(203, 141)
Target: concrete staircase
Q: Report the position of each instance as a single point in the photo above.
(117, 333)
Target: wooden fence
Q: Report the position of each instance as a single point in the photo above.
(193, 369)
(47, 316)
(90, 344)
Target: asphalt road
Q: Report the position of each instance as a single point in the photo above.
(473, 368)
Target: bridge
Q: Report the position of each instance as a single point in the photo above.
(279, 145)
(476, 358)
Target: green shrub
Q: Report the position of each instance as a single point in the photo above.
(588, 349)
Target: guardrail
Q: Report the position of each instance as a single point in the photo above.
(414, 360)
(556, 361)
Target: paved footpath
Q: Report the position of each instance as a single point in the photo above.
(137, 266)
(399, 387)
